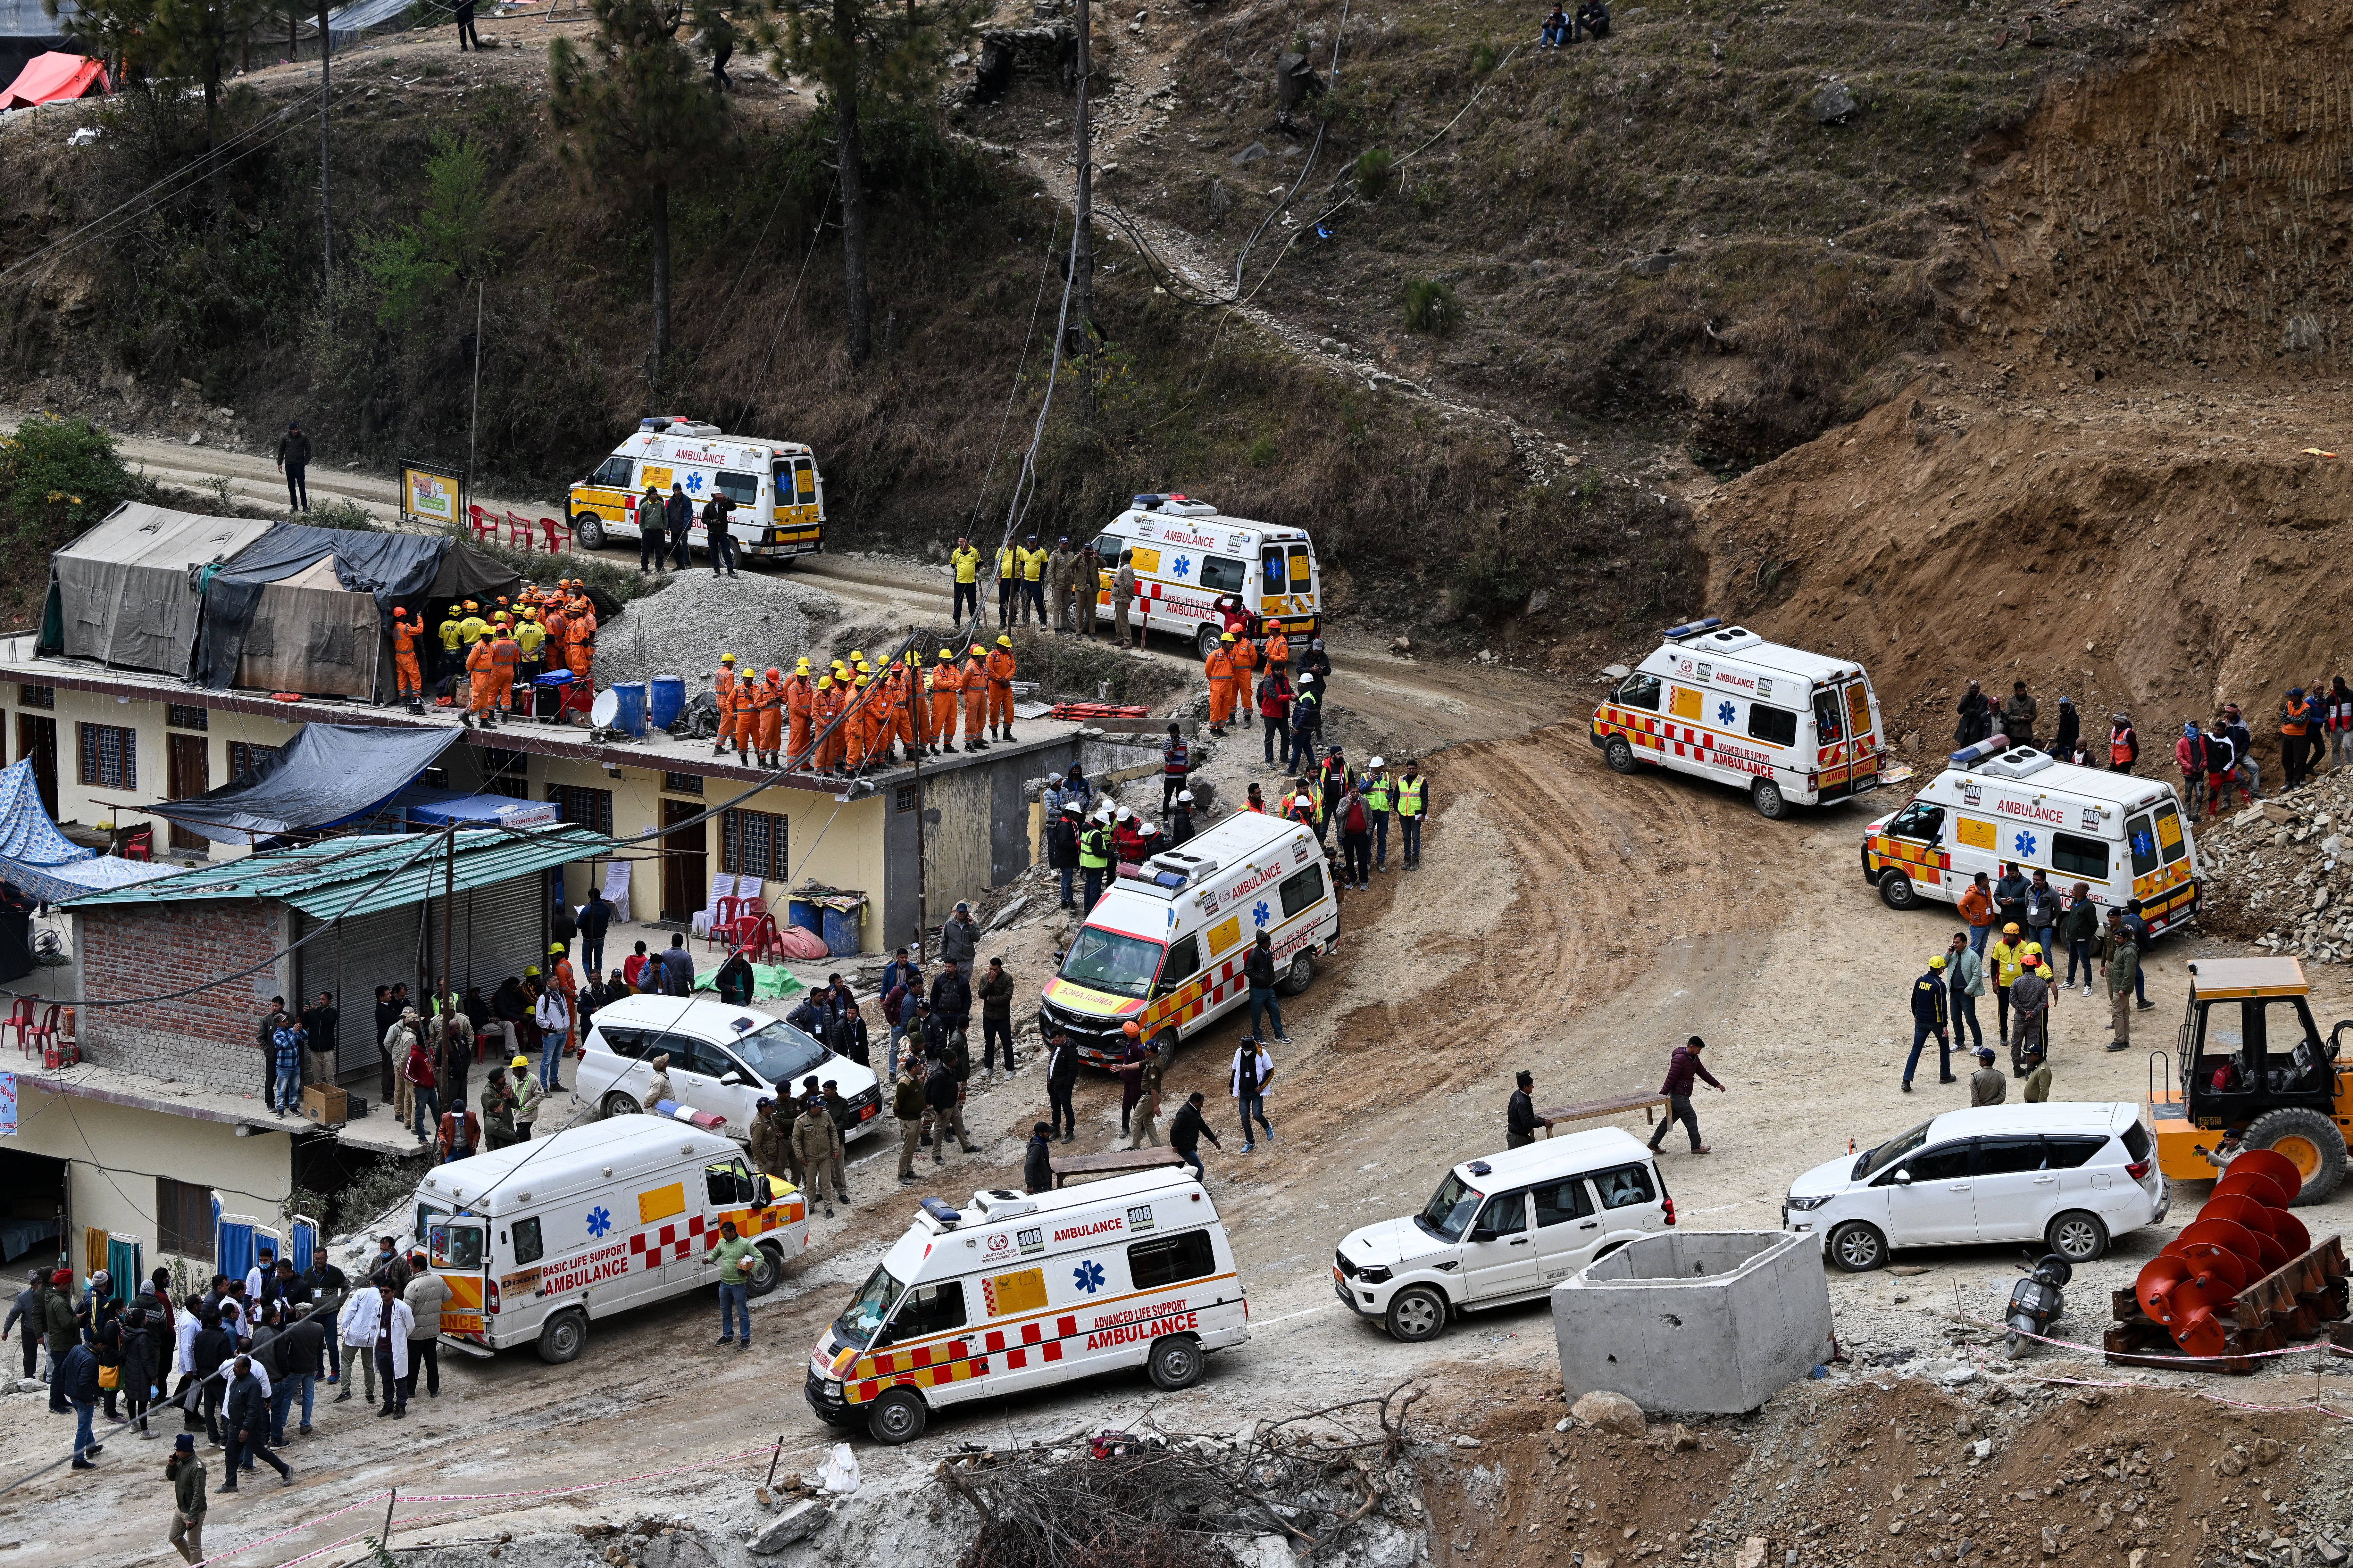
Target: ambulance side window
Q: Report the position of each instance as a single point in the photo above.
(1775, 726)
(615, 471)
(1922, 821)
(1302, 889)
(1276, 582)
(729, 1184)
(1171, 1260)
(1108, 549)
(2074, 856)
(743, 490)
(928, 1309)
(526, 1232)
(1223, 575)
(1637, 690)
(1184, 960)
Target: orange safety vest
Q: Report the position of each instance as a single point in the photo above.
(506, 653)
(1000, 667)
(2119, 749)
(723, 683)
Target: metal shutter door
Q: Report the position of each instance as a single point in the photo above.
(381, 948)
(498, 932)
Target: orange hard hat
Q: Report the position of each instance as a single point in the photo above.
(775, 674)
(1130, 1029)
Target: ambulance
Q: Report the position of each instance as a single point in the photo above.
(1187, 555)
(1017, 1292)
(778, 494)
(1994, 805)
(1788, 726)
(537, 1240)
(1164, 946)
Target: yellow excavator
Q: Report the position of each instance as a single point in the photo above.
(2255, 1073)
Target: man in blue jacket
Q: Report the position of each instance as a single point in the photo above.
(1929, 1018)
(77, 1378)
(245, 1421)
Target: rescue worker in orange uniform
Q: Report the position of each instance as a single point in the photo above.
(505, 654)
(947, 684)
(743, 704)
(768, 705)
(828, 729)
(800, 700)
(1219, 667)
(478, 682)
(408, 681)
(722, 687)
(911, 705)
(975, 698)
(1278, 647)
(856, 726)
(1000, 687)
(581, 623)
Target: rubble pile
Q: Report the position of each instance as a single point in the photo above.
(2278, 874)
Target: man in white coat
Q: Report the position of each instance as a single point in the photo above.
(1254, 1070)
(379, 1322)
(359, 1348)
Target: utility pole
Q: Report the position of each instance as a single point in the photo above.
(326, 206)
(474, 409)
(923, 882)
(1082, 255)
(444, 994)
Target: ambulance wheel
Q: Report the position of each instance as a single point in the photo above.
(1857, 1247)
(767, 1268)
(1175, 1363)
(1767, 796)
(1295, 978)
(1896, 891)
(563, 1337)
(1416, 1313)
(619, 1105)
(899, 1416)
(1617, 754)
(2310, 1141)
(588, 531)
(1207, 638)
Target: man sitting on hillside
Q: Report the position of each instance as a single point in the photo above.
(1556, 29)
(1592, 21)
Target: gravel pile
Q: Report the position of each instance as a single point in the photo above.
(2280, 874)
(762, 620)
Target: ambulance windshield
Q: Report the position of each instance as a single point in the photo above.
(872, 1307)
(1108, 962)
(1450, 1208)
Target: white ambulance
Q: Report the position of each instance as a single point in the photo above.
(779, 496)
(1994, 805)
(1187, 555)
(1164, 946)
(1788, 726)
(538, 1238)
(1021, 1293)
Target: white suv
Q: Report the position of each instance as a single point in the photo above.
(722, 1059)
(1505, 1228)
(2069, 1177)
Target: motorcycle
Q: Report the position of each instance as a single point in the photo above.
(2035, 1301)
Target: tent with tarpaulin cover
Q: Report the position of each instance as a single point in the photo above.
(327, 775)
(53, 78)
(42, 862)
(128, 593)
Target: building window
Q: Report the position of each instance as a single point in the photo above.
(682, 783)
(246, 758)
(755, 844)
(38, 696)
(506, 772)
(180, 718)
(184, 1219)
(904, 798)
(110, 756)
(591, 808)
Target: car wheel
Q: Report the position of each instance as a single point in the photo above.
(588, 531)
(2077, 1237)
(1896, 891)
(1297, 973)
(618, 1104)
(1858, 1247)
(1416, 1313)
(1617, 754)
(563, 1337)
(1208, 636)
(1770, 805)
(767, 1269)
(899, 1416)
(1176, 1361)
(2310, 1141)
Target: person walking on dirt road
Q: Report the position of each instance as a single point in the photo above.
(1061, 1078)
(1187, 1131)
(1683, 1068)
(1929, 1016)
(294, 457)
(1520, 1118)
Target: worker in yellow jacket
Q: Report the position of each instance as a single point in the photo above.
(965, 560)
(1033, 580)
(1008, 578)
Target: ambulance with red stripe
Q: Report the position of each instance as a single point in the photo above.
(536, 1240)
(1164, 946)
(1017, 1292)
(1792, 728)
(1187, 555)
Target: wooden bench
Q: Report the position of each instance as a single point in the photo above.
(1113, 1162)
(1587, 1109)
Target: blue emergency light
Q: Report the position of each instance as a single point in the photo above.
(942, 1213)
(1970, 756)
(1692, 628)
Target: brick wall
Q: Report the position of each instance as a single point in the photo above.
(205, 1040)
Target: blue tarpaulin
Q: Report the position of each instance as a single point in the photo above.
(324, 776)
(440, 807)
(37, 858)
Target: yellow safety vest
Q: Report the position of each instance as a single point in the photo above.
(473, 628)
(1410, 797)
(967, 564)
(528, 636)
(1009, 562)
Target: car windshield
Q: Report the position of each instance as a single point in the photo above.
(778, 1052)
(869, 1310)
(1450, 1208)
(1873, 1161)
(1106, 961)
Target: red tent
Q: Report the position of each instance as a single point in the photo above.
(54, 78)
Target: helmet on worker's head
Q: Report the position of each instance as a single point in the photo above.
(947, 653)
(554, 950)
(1227, 637)
(861, 683)
(1937, 962)
(1377, 763)
(519, 1062)
(974, 649)
(775, 674)
(1184, 797)
(800, 665)
(2010, 929)
(470, 604)
(1004, 642)
(857, 654)
(726, 658)
(400, 609)
(1122, 814)
(825, 683)
(2030, 960)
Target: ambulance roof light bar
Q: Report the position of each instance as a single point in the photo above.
(1968, 757)
(942, 1214)
(1176, 502)
(1692, 628)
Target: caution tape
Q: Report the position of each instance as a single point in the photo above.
(296, 1529)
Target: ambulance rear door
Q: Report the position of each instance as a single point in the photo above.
(456, 1249)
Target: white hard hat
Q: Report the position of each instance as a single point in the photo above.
(1184, 797)
(1122, 814)
(1380, 762)
(1306, 678)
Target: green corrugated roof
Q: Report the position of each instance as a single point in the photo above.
(332, 879)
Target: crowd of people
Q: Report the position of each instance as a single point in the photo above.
(852, 719)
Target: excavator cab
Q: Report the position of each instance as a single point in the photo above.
(2256, 1073)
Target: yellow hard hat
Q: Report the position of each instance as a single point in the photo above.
(800, 667)
(947, 653)
(976, 647)
(530, 971)
(1228, 637)
(825, 683)
(519, 1062)
(862, 683)
(726, 658)
(1004, 642)
(2010, 929)
(555, 950)
(856, 653)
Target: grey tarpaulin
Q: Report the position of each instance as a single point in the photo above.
(327, 774)
(121, 592)
(269, 608)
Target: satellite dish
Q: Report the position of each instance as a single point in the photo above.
(605, 710)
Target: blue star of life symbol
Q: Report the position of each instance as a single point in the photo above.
(1184, 567)
(2024, 844)
(1259, 912)
(1088, 1276)
(600, 1220)
(2144, 846)
(1723, 712)
(694, 484)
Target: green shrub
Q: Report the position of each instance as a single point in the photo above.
(1374, 165)
(1263, 452)
(1484, 55)
(1430, 307)
(59, 476)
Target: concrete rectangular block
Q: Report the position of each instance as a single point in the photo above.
(1699, 1321)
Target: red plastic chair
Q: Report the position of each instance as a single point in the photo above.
(559, 534)
(138, 844)
(484, 527)
(724, 914)
(45, 1033)
(520, 532)
(20, 1018)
